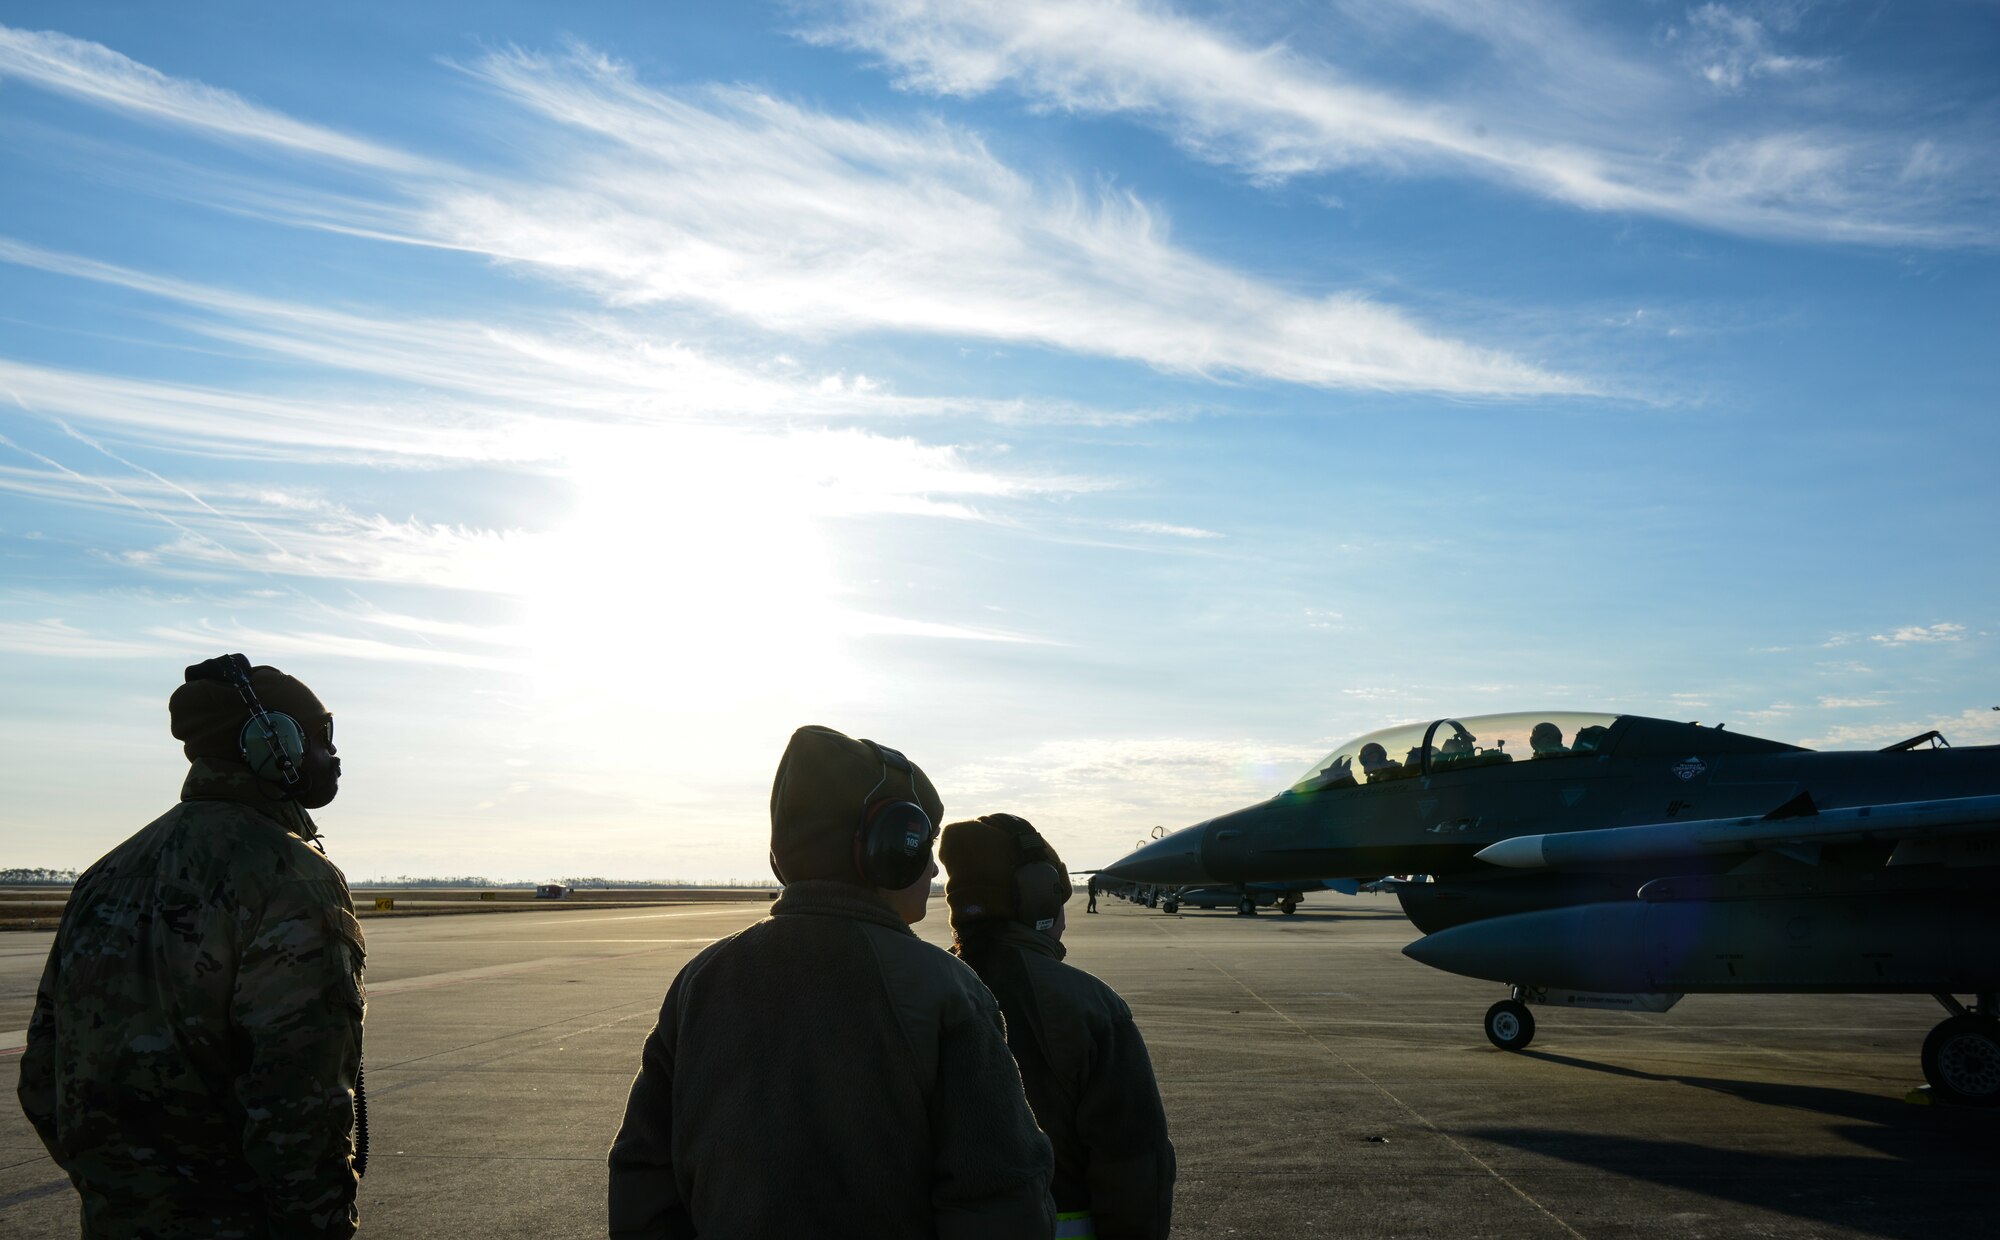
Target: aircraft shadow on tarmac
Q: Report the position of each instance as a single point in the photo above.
(1848, 1103)
(1928, 1171)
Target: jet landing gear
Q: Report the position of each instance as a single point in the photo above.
(1961, 1056)
(1509, 1024)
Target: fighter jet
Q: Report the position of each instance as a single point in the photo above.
(1596, 860)
(1247, 898)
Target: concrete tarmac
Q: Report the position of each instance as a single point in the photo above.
(1317, 1084)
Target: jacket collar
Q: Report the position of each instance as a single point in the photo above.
(826, 898)
(209, 780)
(1013, 934)
(1029, 940)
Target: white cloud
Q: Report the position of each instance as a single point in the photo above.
(1921, 634)
(96, 74)
(1163, 528)
(1728, 48)
(1851, 703)
(55, 638)
(1096, 797)
(642, 196)
(1971, 727)
(872, 226)
(1603, 138)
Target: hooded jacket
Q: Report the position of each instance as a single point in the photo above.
(1088, 1078)
(196, 1036)
(826, 1073)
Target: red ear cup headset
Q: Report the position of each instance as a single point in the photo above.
(892, 845)
(1038, 885)
(271, 743)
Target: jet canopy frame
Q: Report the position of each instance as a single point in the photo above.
(1409, 750)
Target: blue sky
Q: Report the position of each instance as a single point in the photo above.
(1114, 405)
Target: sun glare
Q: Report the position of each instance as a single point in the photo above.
(693, 584)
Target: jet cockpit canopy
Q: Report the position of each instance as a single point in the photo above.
(1410, 749)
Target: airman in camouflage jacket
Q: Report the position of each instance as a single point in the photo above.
(197, 1033)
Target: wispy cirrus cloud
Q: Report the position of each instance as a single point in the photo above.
(908, 228)
(740, 204)
(59, 639)
(1277, 113)
(1166, 530)
(96, 74)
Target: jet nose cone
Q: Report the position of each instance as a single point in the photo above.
(1171, 860)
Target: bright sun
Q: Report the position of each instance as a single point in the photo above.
(693, 582)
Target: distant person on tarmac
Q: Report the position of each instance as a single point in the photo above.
(1092, 906)
(1082, 1059)
(825, 1072)
(194, 1057)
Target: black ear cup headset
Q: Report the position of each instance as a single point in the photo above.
(1038, 885)
(272, 743)
(893, 843)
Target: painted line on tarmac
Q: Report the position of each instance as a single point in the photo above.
(429, 981)
(1385, 1091)
(15, 1042)
(546, 920)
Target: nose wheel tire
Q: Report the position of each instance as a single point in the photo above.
(1288, 907)
(1246, 907)
(1511, 1026)
(1170, 905)
(1962, 1060)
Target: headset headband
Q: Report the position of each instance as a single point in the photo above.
(234, 671)
(1029, 841)
(890, 757)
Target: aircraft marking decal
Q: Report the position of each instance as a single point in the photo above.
(1690, 768)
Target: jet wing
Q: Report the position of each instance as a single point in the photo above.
(1907, 820)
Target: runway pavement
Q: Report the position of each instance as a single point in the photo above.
(1317, 1083)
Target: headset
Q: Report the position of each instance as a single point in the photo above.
(1038, 885)
(271, 743)
(892, 844)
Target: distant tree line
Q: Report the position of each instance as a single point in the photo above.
(461, 880)
(630, 884)
(595, 883)
(37, 876)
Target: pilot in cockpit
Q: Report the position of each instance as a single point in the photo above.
(1546, 740)
(1456, 747)
(1374, 758)
(1589, 739)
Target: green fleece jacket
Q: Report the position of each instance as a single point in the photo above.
(825, 1073)
(197, 1032)
(1088, 1078)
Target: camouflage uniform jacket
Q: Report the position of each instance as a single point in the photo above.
(197, 1031)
